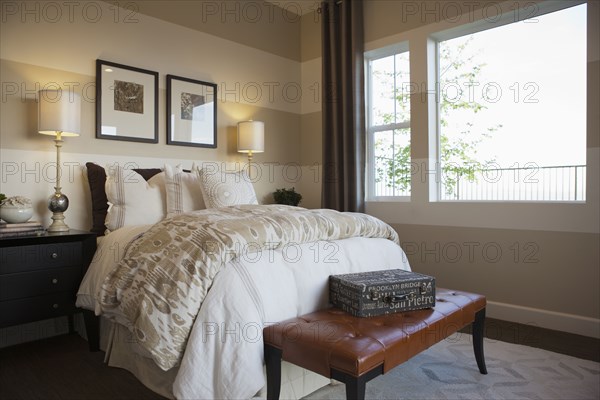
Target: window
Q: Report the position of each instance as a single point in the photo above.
(388, 123)
(512, 110)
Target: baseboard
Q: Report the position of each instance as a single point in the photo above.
(576, 324)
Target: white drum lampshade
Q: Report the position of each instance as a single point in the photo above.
(59, 112)
(251, 137)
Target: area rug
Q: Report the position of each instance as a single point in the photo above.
(448, 371)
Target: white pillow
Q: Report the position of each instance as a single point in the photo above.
(222, 189)
(132, 200)
(183, 190)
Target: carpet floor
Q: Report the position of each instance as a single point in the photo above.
(448, 371)
(62, 368)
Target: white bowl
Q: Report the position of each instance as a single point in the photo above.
(15, 215)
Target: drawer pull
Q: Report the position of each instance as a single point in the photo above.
(55, 306)
(55, 281)
(54, 256)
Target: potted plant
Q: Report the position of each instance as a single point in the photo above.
(287, 196)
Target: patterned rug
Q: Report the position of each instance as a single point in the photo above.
(448, 371)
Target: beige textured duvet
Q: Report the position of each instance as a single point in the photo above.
(158, 288)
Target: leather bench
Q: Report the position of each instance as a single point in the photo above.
(355, 350)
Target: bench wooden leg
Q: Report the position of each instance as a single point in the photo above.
(356, 387)
(273, 363)
(478, 340)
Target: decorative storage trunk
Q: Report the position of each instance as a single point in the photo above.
(367, 294)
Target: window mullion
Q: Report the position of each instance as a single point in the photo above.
(389, 127)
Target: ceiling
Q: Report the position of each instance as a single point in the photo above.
(299, 7)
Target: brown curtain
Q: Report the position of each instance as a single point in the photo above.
(343, 105)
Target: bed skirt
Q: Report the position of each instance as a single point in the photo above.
(122, 352)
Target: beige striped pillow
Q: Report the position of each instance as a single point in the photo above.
(132, 200)
(183, 190)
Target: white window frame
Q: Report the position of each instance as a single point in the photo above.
(370, 56)
(518, 15)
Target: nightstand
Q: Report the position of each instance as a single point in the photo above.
(40, 275)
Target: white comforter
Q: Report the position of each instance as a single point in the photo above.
(224, 353)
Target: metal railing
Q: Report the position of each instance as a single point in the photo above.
(528, 183)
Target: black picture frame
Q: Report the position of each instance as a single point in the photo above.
(191, 112)
(126, 103)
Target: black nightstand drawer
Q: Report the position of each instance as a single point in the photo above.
(36, 308)
(29, 258)
(27, 284)
(39, 276)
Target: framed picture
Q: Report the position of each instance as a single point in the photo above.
(191, 112)
(126, 103)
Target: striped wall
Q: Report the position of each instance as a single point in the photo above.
(537, 263)
(258, 77)
(253, 58)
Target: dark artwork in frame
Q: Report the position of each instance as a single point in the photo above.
(129, 97)
(191, 106)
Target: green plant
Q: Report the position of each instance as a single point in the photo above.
(287, 196)
(2, 198)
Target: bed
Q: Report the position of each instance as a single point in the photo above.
(207, 340)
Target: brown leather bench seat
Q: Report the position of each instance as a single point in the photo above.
(354, 350)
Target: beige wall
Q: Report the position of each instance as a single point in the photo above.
(254, 61)
(19, 131)
(311, 138)
(560, 240)
(259, 24)
(514, 267)
(173, 38)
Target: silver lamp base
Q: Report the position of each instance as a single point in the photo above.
(58, 204)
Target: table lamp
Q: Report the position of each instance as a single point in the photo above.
(251, 139)
(59, 116)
